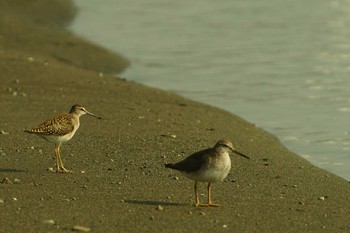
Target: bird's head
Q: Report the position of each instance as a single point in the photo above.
(227, 145)
(80, 110)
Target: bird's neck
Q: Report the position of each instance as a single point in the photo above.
(221, 150)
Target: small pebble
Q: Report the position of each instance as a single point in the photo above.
(81, 228)
(322, 198)
(16, 181)
(3, 132)
(50, 169)
(1, 201)
(159, 207)
(49, 221)
(224, 226)
(202, 213)
(15, 199)
(6, 180)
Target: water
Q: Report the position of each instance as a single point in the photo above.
(283, 65)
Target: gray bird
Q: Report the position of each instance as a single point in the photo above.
(209, 165)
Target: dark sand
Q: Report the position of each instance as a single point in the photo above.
(119, 183)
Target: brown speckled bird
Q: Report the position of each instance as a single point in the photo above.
(209, 165)
(59, 129)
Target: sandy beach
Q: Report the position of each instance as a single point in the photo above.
(119, 183)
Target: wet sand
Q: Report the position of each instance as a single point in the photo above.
(119, 183)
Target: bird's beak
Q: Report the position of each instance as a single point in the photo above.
(239, 153)
(89, 113)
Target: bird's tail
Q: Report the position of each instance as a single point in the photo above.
(169, 165)
(34, 131)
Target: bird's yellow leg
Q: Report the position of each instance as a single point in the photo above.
(57, 146)
(60, 161)
(197, 199)
(196, 194)
(209, 197)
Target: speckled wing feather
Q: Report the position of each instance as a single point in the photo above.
(58, 126)
(193, 162)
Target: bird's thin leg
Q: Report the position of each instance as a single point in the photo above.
(57, 146)
(209, 196)
(196, 194)
(60, 160)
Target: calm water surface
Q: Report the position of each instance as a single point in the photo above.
(283, 65)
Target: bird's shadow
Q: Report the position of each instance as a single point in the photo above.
(11, 170)
(154, 203)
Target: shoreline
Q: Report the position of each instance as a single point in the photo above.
(118, 180)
